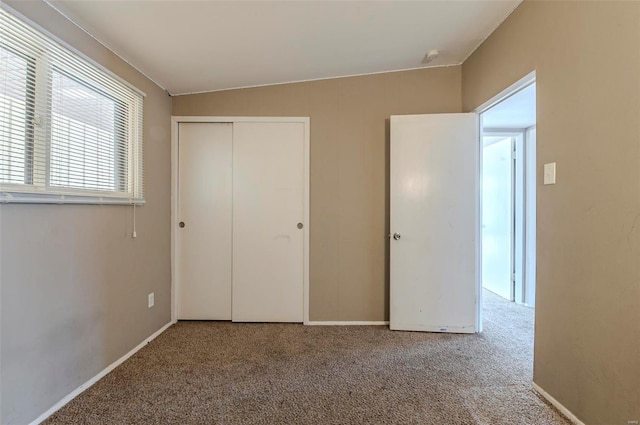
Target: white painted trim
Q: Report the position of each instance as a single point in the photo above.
(530, 217)
(355, 323)
(566, 412)
(73, 394)
(307, 187)
(8, 197)
(503, 134)
(478, 223)
(317, 79)
(471, 329)
(514, 88)
(490, 131)
(196, 118)
(175, 121)
(174, 218)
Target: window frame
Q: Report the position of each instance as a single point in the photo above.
(38, 139)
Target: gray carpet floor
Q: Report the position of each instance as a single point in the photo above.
(225, 373)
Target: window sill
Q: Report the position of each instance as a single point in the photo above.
(51, 198)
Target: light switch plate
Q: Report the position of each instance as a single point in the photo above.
(151, 301)
(550, 173)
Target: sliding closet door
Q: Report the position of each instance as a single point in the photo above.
(204, 212)
(268, 212)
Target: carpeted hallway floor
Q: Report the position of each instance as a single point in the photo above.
(224, 373)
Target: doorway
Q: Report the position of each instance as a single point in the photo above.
(508, 191)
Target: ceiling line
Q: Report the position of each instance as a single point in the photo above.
(492, 31)
(318, 79)
(103, 44)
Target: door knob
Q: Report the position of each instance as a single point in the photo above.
(396, 236)
(181, 224)
(300, 225)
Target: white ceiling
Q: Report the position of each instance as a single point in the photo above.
(517, 111)
(194, 46)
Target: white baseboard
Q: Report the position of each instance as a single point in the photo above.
(73, 394)
(315, 323)
(558, 405)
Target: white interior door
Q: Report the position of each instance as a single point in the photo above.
(498, 216)
(268, 215)
(204, 207)
(433, 185)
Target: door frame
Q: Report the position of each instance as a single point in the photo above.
(175, 122)
(514, 88)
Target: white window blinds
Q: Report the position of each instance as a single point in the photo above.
(69, 131)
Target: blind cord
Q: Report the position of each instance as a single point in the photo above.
(133, 235)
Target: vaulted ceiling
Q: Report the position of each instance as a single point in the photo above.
(195, 46)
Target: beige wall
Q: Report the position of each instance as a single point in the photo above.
(84, 306)
(349, 172)
(587, 61)
(74, 284)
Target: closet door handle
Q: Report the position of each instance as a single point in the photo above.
(300, 225)
(181, 224)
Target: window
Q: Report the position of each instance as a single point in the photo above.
(16, 106)
(69, 130)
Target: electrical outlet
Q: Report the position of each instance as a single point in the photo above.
(152, 300)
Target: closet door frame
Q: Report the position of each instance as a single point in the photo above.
(175, 121)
